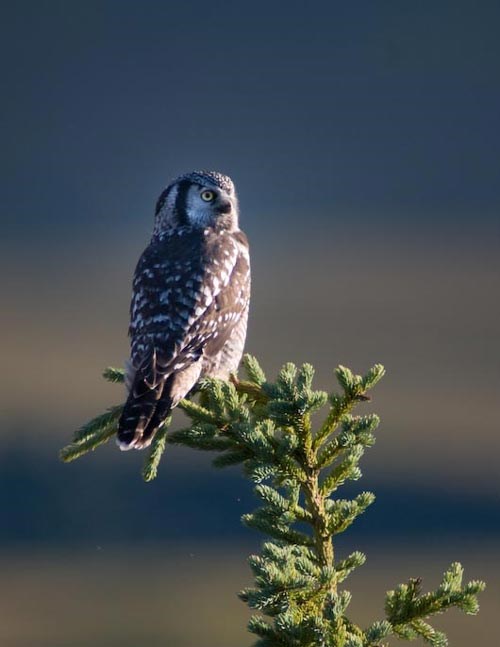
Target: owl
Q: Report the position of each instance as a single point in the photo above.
(189, 308)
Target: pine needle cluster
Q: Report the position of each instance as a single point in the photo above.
(297, 468)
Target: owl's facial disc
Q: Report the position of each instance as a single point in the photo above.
(209, 205)
(219, 199)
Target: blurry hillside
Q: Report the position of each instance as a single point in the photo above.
(342, 288)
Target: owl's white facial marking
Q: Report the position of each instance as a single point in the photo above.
(208, 206)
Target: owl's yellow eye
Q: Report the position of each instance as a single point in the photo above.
(207, 196)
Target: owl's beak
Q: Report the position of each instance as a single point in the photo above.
(225, 206)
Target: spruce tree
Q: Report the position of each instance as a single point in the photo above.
(297, 469)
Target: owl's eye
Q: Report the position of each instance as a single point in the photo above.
(207, 196)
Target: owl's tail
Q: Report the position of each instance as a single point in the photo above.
(144, 412)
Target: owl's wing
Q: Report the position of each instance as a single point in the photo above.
(231, 301)
(188, 293)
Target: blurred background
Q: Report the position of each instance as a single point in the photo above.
(364, 141)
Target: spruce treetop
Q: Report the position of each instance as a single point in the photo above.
(297, 467)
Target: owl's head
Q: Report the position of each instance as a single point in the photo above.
(200, 199)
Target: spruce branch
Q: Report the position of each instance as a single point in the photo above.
(96, 432)
(267, 427)
(116, 375)
(150, 469)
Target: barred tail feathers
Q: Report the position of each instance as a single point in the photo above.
(143, 406)
(163, 408)
(149, 404)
